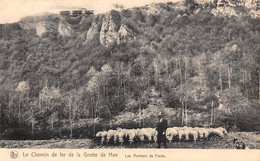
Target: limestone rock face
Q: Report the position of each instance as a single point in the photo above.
(154, 9)
(254, 14)
(40, 28)
(94, 30)
(125, 34)
(46, 23)
(224, 11)
(109, 29)
(64, 29)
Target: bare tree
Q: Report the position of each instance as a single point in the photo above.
(22, 88)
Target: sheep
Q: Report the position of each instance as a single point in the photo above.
(205, 133)
(186, 133)
(216, 132)
(223, 130)
(193, 134)
(121, 136)
(153, 134)
(176, 128)
(98, 136)
(170, 133)
(116, 136)
(150, 134)
(103, 136)
(142, 133)
(146, 134)
(190, 133)
(181, 133)
(110, 135)
(131, 135)
(200, 132)
(136, 132)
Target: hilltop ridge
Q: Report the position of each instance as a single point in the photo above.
(111, 28)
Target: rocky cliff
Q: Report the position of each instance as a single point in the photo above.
(46, 23)
(109, 29)
(113, 27)
(64, 28)
(94, 30)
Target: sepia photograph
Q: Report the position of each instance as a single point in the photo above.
(136, 75)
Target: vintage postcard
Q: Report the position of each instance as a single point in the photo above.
(129, 80)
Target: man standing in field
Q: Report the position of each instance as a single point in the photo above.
(161, 129)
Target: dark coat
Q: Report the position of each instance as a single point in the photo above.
(161, 127)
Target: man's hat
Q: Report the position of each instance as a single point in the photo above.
(160, 114)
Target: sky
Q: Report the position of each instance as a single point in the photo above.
(14, 10)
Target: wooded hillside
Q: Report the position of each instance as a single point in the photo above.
(71, 76)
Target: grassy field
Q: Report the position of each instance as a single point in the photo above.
(251, 140)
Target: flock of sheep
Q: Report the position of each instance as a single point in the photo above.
(121, 136)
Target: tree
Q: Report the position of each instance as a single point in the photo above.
(11, 96)
(50, 97)
(33, 104)
(72, 100)
(92, 90)
(22, 88)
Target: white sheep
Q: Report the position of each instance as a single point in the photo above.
(142, 133)
(215, 132)
(176, 128)
(98, 136)
(153, 134)
(131, 135)
(193, 134)
(170, 133)
(181, 133)
(190, 133)
(110, 135)
(103, 137)
(135, 131)
(121, 135)
(116, 136)
(223, 130)
(205, 133)
(186, 133)
(200, 132)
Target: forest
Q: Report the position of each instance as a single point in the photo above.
(198, 68)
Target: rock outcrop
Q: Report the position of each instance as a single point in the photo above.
(64, 29)
(108, 29)
(46, 23)
(110, 26)
(40, 28)
(125, 34)
(94, 30)
(224, 11)
(254, 14)
(154, 9)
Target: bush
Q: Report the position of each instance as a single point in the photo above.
(21, 132)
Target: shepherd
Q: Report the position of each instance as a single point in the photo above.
(161, 129)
